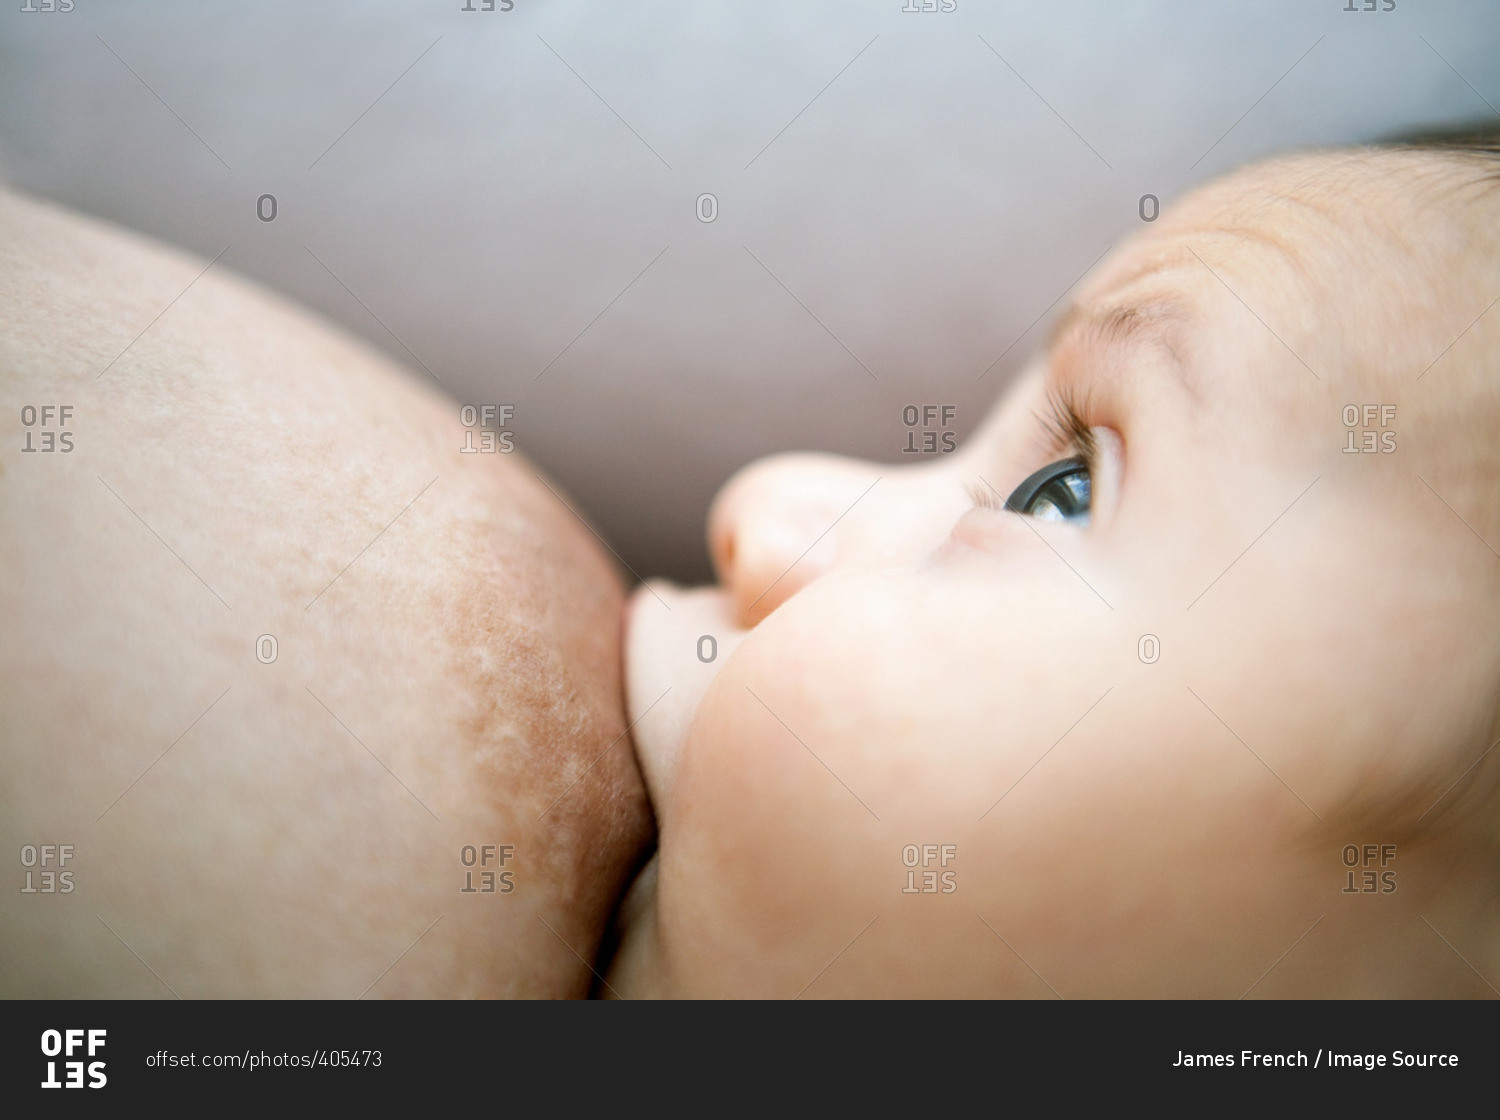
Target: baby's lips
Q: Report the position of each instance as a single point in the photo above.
(676, 639)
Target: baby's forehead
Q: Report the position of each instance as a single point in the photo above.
(1372, 245)
(1379, 190)
(1314, 215)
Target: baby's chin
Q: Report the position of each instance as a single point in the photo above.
(676, 641)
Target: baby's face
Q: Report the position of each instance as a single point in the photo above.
(1119, 743)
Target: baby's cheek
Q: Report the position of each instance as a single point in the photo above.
(769, 850)
(940, 793)
(849, 727)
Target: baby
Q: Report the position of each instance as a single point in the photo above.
(1204, 706)
(1179, 678)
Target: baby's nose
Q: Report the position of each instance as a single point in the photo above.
(782, 522)
(774, 527)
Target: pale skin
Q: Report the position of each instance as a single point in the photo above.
(940, 686)
(930, 675)
(446, 672)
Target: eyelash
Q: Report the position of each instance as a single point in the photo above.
(1064, 421)
(1068, 434)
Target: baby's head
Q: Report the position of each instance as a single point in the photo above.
(1224, 688)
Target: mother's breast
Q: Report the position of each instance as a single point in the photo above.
(312, 691)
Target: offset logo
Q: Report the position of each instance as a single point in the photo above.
(911, 855)
(51, 882)
(488, 418)
(485, 854)
(67, 1043)
(931, 422)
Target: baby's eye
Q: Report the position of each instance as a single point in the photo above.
(1058, 492)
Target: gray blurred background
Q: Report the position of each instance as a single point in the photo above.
(902, 195)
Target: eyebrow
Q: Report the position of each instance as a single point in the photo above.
(1115, 325)
(1148, 319)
